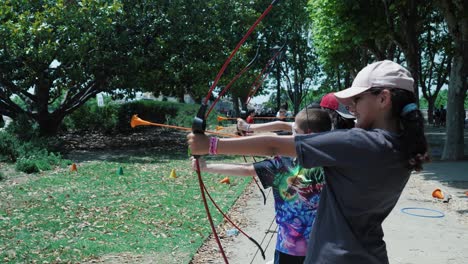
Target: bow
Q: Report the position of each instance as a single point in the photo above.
(258, 83)
(199, 126)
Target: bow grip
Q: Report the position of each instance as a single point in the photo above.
(199, 122)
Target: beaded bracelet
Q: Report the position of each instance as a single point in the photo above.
(213, 149)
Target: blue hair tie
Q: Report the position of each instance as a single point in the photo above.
(408, 108)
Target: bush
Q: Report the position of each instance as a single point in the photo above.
(40, 160)
(152, 111)
(91, 117)
(8, 147)
(26, 165)
(2, 177)
(116, 117)
(23, 128)
(30, 156)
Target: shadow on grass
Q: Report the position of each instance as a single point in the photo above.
(140, 155)
(452, 173)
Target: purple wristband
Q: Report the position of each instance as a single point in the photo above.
(213, 149)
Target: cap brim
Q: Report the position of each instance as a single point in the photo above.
(343, 112)
(345, 96)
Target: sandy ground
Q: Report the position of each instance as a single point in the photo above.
(410, 239)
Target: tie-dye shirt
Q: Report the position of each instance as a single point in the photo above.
(296, 192)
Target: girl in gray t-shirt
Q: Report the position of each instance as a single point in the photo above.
(366, 168)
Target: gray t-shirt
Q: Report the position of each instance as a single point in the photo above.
(365, 175)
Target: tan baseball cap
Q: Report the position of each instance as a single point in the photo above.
(384, 74)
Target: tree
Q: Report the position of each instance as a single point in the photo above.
(55, 55)
(346, 39)
(436, 60)
(455, 14)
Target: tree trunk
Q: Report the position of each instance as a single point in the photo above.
(235, 105)
(278, 86)
(454, 141)
(455, 15)
(48, 124)
(430, 110)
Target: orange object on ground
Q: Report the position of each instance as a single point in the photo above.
(437, 193)
(73, 167)
(225, 180)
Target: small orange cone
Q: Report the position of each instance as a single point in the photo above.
(225, 180)
(437, 193)
(173, 174)
(73, 167)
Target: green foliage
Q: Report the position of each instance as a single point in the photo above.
(115, 118)
(23, 128)
(8, 147)
(91, 117)
(27, 165)
(31, 155)
(149, 110)
(2, 177)
(34, 159)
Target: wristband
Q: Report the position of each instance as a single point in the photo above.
(213, 149)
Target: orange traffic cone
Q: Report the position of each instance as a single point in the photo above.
(225, 180)
(73, 167)
(437, 193)
(173, 174)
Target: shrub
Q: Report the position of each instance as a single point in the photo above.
(116, 117)
(2, 177)
(30, 156)
(152, 111)
(91, 117)
(8, 147)
(23, 128)
(26, 165)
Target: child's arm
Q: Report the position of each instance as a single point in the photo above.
(265, 127)
(266, 145)
(225, 168)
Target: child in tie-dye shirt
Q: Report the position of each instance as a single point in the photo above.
(296, 191)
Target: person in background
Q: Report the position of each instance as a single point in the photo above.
(250, 116)
(341, 117)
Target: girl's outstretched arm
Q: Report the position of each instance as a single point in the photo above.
(263, 145)
(265, 127)
(231, 169)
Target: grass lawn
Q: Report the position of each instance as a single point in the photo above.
(62, 216)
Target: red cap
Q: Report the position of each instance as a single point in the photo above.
(329, 101)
